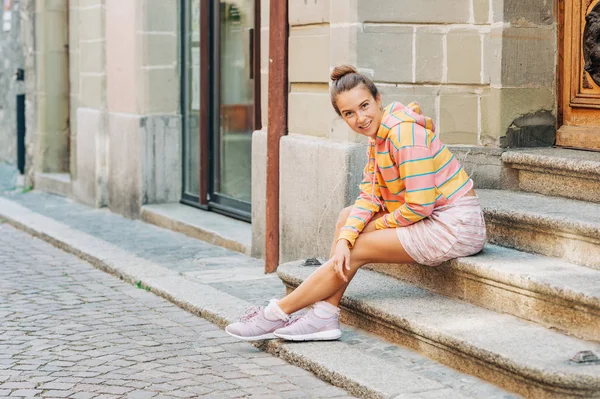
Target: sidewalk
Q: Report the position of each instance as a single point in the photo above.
(218, 284)
(69, 330)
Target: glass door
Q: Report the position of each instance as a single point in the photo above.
(234, 114)
(191, 13)
(220, 103)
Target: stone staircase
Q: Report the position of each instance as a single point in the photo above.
(517, 313)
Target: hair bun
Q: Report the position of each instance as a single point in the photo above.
(341, 71)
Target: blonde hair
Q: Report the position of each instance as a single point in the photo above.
(345, 78)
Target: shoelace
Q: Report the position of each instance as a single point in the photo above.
(250, 314)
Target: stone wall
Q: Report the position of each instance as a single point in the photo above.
(11, 58)
(128, 138)
(474, 65)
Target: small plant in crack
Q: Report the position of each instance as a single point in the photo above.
(141, 286)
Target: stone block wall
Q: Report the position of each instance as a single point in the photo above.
(124, 65)
(87, 68)
(11, 58)
(456, 58)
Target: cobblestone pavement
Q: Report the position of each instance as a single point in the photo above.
(69, 330)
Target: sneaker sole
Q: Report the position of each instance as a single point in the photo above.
(330, 335)
(256, 338)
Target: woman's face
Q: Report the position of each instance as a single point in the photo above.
(360, 110)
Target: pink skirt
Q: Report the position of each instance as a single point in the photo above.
(451, 231)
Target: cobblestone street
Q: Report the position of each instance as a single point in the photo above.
(70, 330)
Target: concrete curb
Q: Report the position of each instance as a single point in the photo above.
(502, 349)
(335, 362)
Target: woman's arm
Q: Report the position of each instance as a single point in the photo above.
(365, 206)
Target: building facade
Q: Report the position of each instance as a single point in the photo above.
(158, 101)
(12, 60)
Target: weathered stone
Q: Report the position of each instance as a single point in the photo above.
(459, 118)
(207, 226)
(303, 12)
(500, 107)
(391, 59)
(439, 326)
(482, 164)
(93, 21)
(464, 56)
(535, 130)
(91, 123)
(305, 183)
(429, 55)
(11, 54)
(528, 57)
(425, 96)
(92, 91)
(160, 91)
(160, 158)
(315, 103)
(481, 11)
(557, 172)
(124, 179)
(159, 16)
(535, 227)
(160, 49)
(309, 44)
(93, 59)
(528, 13)
(438, 11)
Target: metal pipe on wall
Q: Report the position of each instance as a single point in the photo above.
(277, 124)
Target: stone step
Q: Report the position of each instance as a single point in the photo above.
(551, 292)
(559, 227)
(554, 171)
(515, 354)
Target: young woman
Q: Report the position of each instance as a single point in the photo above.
(416, 205)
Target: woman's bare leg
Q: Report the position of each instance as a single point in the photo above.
(324, 284)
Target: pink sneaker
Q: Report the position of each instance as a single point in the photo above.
(254, 326)
(311, 327)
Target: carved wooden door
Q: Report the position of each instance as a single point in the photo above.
(579, 74)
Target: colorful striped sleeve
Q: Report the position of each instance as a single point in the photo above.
(416, 168)
(364, 207)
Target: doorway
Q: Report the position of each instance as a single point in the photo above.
(221, 106)
(579, 74)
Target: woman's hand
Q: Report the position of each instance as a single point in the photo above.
(341, 259)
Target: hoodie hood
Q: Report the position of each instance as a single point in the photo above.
(397, 113)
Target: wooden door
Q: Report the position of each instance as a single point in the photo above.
(579, 74)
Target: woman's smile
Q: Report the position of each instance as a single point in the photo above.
(361, 111)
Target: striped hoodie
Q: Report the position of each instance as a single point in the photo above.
(410, 172)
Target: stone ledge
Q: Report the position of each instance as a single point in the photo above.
(556, 160)
(556, 171)
(207, 226)
(514, 354)
(547, 291)
(361, 373)
(54, 183)
(559, 227)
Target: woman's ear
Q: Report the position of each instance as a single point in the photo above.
(378, 101)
